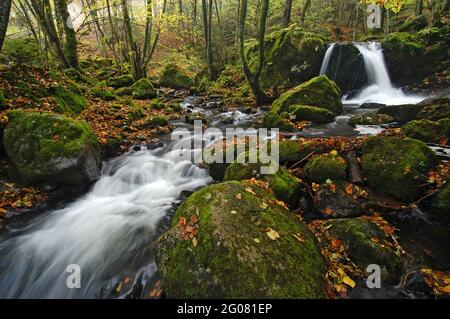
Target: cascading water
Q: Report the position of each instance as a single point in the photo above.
(379, 89)
(105, 232)
(327, 58)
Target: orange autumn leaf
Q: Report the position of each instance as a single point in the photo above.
(328, 211)
(349, 189)
(335, 243)
(182, 222)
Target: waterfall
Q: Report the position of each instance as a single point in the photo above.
(105, 232)
(327, 58)
(379, 88)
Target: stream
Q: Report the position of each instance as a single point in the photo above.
(108, 232)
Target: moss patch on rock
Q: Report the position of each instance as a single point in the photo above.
(2, 101)
(49, 147)
(121, 81)
(143, 89)
(370, 118)
(282, 183)
(274, 120)
(104, 93)
(233, 256)
(69, 101)
(424, 130)
(175, 77)
(326, 166)
(357, 235)
(397, 166)
(319, 91)
(311, 113)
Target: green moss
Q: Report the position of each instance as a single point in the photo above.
(435, 109)
(2, 101)
(69, 100)
(104, 93)
(176, 107)
(282, 183)
(414, 24)
(370, 118)
(157, 105)
(404, 42)
(424, 130)
(311, 113)
(444, 128)
(274, 120)
(121, 81)
(293, 151)
(319, 91)
(401, 113)
(176, 78)
(124, 91)
(156, 121)
(397, 166)
(143, 89)
(324, 167)
(441, 204)
(357, 235)
(48, 146)
(234, 257)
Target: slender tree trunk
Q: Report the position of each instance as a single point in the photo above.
(287, 13)
(70, 43)
(253, 78)
(419, 7)
(5, 9)
(304, 11)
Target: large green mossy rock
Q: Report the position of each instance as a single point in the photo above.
(427, 131)
(293, 151)
(397, 167)
(401, 113)
(121, 81)
(232, 255)
(326, 167)
(292, 56)
(311, 113)
(176, 78)
(441, 204)
(357, 236)
(51, 148)
(143, 89)
(282, 183)
(319, 91)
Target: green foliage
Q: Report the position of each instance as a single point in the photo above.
(20, 51)
(311, 113)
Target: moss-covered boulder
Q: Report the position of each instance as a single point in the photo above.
(51, 148)
(175, 77)
(319, 91)
(311, 113)
(121, 81)
(434, 109)
(424, 130)
(143, 89)
(275, 120)
(401, 113)
(370, 118)
(156, 121)
(326, 167)
(358, 236)
(69, 100)
(282, 183)
(232, 240)
(104, 93)
(396, 166)
(292, 56)
(293, 151)
(124, 91)
(441, 204)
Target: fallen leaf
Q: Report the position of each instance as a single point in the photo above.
(328, 211)
(299, 238)
(334, 152)
(257, 240)
(274, 235)
(207, 196)
(348, 281)
(335, 243)
(194, 242)
(238, 196)
(349, 189)
(182, 222)
(315, 187)
(233, 212)
(250, 190)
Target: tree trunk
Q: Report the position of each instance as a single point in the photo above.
(304, 10)
(253, 78)
(419, 7)
(5, 9)
(70, 44)
(287, 13)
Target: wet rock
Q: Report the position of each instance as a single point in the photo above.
(441, 204)
(326, 167)
(155, 146)
(293, 151)
(397, 166)
(311, 113)
(319, 91)
(427, 131)
(192, 117)
(52, 148)
(401, 113)
(415, 283)
(358, 237)
(370, 118)
(369, 105)
(434, 109)
(232, 255)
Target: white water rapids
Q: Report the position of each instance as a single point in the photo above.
(103, 232)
